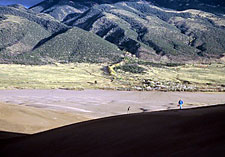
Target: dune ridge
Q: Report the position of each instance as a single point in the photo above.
(189, 132)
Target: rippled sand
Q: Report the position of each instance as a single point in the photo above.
(101, 103)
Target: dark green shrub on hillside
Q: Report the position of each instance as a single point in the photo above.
(159, 65)
(132, 68)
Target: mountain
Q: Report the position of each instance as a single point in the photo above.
(147, 29)
(35, 38)
(100, 31)
(22, 29)
(61, 8)
(44, 20)
(215, 6)
(77, 45)
(16, 34)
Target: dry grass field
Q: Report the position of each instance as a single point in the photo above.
(188, 77)
(72, 76)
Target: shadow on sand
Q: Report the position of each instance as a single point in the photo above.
(8, 137)
(188, 132)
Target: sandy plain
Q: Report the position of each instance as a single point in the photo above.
(32, 111)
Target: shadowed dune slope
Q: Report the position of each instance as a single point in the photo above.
(8, 137)
(191, 132)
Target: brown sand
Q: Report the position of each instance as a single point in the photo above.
(190, 132)
(24, 119)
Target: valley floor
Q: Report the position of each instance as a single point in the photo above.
(122, 76)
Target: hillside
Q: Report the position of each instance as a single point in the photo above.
(215, 6)
(22, 29)
(47, 22)
(32, 38)
(191, 132)
(73, 45)
(150, 32)
(77, 45)
(63, 31)
(60, 8)
(17, 36)
(148, 29)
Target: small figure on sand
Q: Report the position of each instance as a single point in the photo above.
(128, 109)
(180, 103)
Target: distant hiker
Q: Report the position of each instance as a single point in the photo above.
(128, 109)
(180, 103)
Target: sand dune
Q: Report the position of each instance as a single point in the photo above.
(8, 135)
(25, 119)
(190, 132)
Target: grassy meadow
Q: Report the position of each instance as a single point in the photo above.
(78, 76)
(70, 76)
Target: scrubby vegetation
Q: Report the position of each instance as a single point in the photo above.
(77, 45)
(26, 40)
(45, 21)
(142, 62)
(132, 68)
(151, 33)
(189, 77)
(19, 35)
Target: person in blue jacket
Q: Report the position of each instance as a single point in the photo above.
(180, 103)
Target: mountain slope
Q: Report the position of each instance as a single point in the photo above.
(143, 28)
(22, 29)
(32, 38)
(154, 33)
(215, 6)
(61, 8)
(73, 45)
(77, 45)
(18, 35)
(46, 21)
(192, 132)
